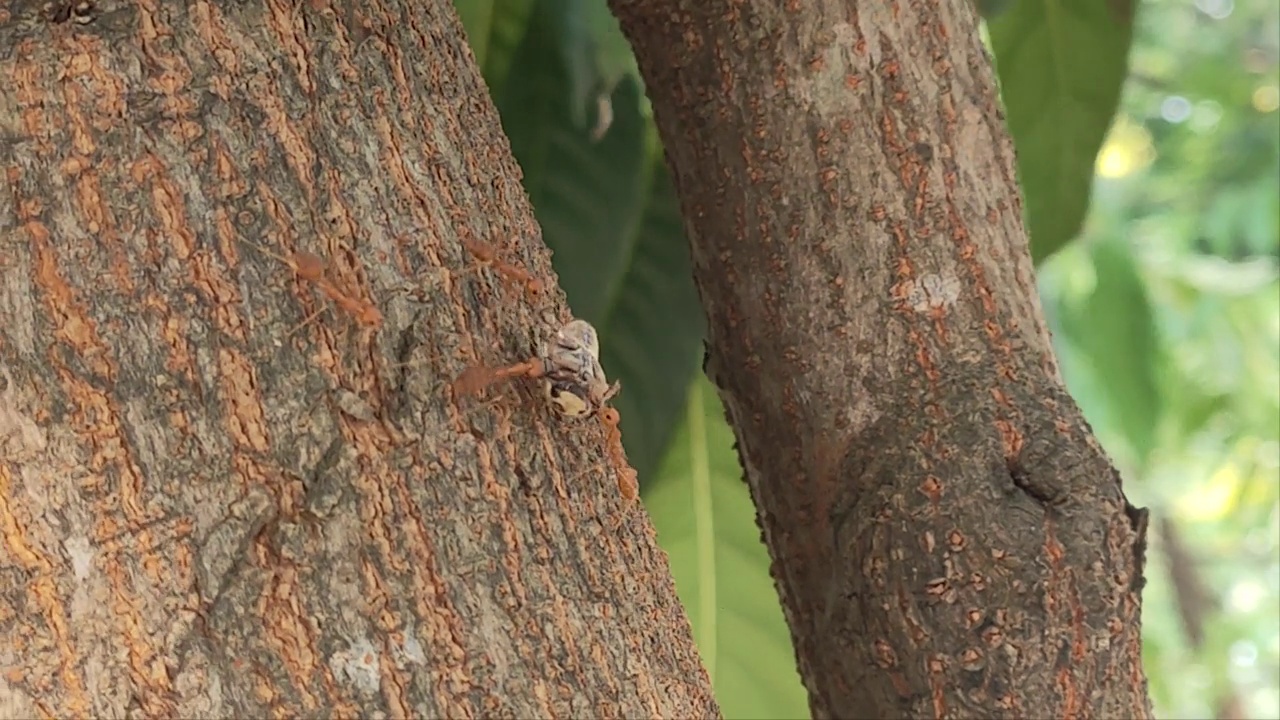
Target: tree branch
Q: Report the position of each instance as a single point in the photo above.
(948, 538)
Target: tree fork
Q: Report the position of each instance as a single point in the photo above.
(948, 539)
(204, 514)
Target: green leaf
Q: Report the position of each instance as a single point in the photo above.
(706, 523)
(495, 29)
(652, 327)
(992, 9)
(610, 217)
(1189, 407)
(1113, 328)
(597, 55)
(477, 18)
(1061, 67)
(589, 196)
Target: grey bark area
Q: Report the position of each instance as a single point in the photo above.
(948, 538)
(225, 489)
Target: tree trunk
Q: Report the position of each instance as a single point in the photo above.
(948, 538)
(212, 507)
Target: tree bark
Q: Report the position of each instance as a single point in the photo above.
(948, 538)
(206, 514)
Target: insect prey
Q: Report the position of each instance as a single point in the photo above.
(569, 366)
(573, 382)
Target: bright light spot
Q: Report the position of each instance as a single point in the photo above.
(1266, 98)
(1216, 9)
(1206, 115)
(1128, 149)
(1243, 661)
(1265, 702)
(1115, 161)
(1211, 500)
(1246, 596)
(1244, 653)
(1175, 109)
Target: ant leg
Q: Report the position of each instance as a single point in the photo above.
(307, 321)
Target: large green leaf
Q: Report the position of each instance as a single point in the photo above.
(1061, 64)
(610, 217)
(589, 196)
(706, 523)
(597, 55)
(1111, 354)
(494, 30)
(477, 18)
(992, 9)
(652, 325)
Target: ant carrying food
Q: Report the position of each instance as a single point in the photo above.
(573, 382)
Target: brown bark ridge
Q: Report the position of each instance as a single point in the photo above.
(947, 537)
(203, 514)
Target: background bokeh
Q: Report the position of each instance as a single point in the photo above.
(1149, 153)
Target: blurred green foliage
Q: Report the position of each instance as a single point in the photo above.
(1164, 303)
(1167, 306)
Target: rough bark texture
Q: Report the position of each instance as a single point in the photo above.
(205, 515)
(948, 539)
